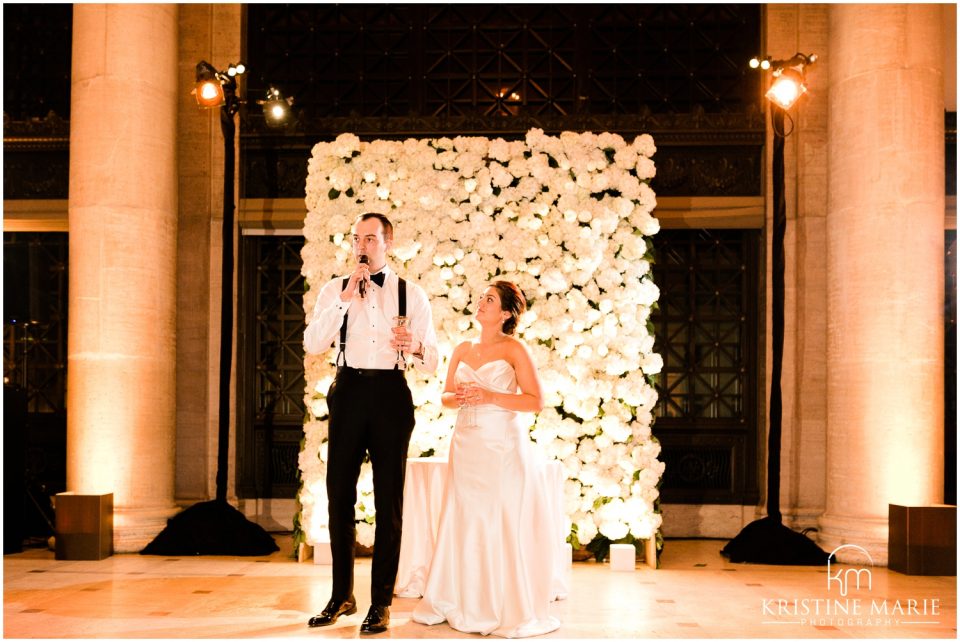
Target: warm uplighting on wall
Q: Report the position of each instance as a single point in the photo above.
(92, 467)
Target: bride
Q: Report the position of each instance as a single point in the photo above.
(489, 575)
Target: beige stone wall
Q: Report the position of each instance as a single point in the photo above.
(793, 28)
(211, 33)
(949, 24)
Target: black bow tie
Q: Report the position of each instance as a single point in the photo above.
(378, 278)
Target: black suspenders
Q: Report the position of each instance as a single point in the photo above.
(402, 311)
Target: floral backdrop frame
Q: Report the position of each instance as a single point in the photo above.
(566, 218)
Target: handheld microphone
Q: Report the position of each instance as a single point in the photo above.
(363, 283)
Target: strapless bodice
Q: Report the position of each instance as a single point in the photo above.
(497, 375)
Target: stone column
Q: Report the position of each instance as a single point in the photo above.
(211, 32)
(885, 274)
(123, 234)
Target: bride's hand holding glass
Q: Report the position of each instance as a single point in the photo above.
(467, 392)
(469, 395)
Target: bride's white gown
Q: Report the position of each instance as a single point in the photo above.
(489, 574)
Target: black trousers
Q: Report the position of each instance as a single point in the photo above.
(368, 414)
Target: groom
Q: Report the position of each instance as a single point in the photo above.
(371, 409)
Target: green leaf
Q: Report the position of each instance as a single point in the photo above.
(600, 501)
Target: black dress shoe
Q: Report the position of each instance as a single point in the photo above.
(333, 610)
(377, 620)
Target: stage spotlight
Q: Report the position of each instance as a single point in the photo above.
(276, 108)
(787, 88)
(209, 94)
(209, 89)
(789, 78)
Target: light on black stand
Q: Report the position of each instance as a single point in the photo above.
(767, 540)
(276, 108)
(215, 527)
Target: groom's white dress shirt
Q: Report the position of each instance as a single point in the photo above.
(370, 322)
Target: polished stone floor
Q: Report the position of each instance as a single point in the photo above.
(695, 594)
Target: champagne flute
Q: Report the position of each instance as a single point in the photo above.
(467, 391)
(401, 322)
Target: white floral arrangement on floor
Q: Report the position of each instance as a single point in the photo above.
(568, 219)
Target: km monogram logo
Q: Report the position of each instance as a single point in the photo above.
(843, 577)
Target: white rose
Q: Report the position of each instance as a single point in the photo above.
(651, 363)
(554, 281)
(587, 451)
(643, 144)
(645, 168)
(625, 158)
(345, 145)
(612, 525)
(586, 530)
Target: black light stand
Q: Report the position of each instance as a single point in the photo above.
(778, 266)
(229, 128)
(767, 540)
(215, 527)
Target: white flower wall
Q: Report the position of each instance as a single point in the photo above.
(567, 219)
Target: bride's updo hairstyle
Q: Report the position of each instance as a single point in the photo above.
(512, 301)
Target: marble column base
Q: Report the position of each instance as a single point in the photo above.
(869, 533)
(134, 528)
